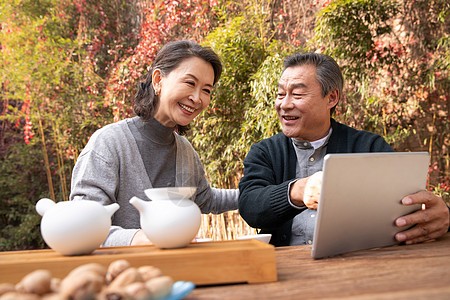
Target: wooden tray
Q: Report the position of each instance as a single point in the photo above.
(205, 263)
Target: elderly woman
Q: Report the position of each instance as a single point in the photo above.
(123, 159)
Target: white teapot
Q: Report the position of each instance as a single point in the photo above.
(74, 227)
(170, 220)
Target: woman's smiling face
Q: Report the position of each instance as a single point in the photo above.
(183, 93)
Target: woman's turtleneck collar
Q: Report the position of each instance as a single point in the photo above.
(155, 131)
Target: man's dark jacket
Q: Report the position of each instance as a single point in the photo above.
(270, 166)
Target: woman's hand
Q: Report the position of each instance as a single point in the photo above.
(140, 239)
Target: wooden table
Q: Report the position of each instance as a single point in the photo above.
(420, 271)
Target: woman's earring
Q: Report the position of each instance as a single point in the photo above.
(157, 91)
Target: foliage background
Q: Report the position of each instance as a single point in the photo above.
(70, 67)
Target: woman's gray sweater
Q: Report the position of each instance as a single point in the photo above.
(110, 169)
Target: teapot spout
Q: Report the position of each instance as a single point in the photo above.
(43, 205)
(138, 203)
(112, 208)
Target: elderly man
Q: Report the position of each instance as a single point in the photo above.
(277, 169)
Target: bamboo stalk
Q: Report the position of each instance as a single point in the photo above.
(223, 227)
(430, 147)
(231, 227)
(447, 164)
(47, 164)
(61, 172)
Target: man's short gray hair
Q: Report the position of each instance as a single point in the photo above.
(329, 74)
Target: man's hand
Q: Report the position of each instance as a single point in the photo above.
(431, 222)
(306, 191)
(140, 239)
(313, 186)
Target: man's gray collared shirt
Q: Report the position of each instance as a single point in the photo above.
(309, 161)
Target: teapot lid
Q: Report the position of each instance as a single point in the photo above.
(170, 193)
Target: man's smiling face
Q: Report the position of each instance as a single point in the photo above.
(302, 110)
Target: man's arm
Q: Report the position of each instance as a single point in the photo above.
(263, 199)
(431, 222)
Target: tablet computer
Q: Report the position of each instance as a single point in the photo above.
(361, 198)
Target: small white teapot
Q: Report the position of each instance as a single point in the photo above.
(170, 220)
(74, 227)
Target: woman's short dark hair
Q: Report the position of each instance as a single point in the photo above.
(169, 58)
(328, 73)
